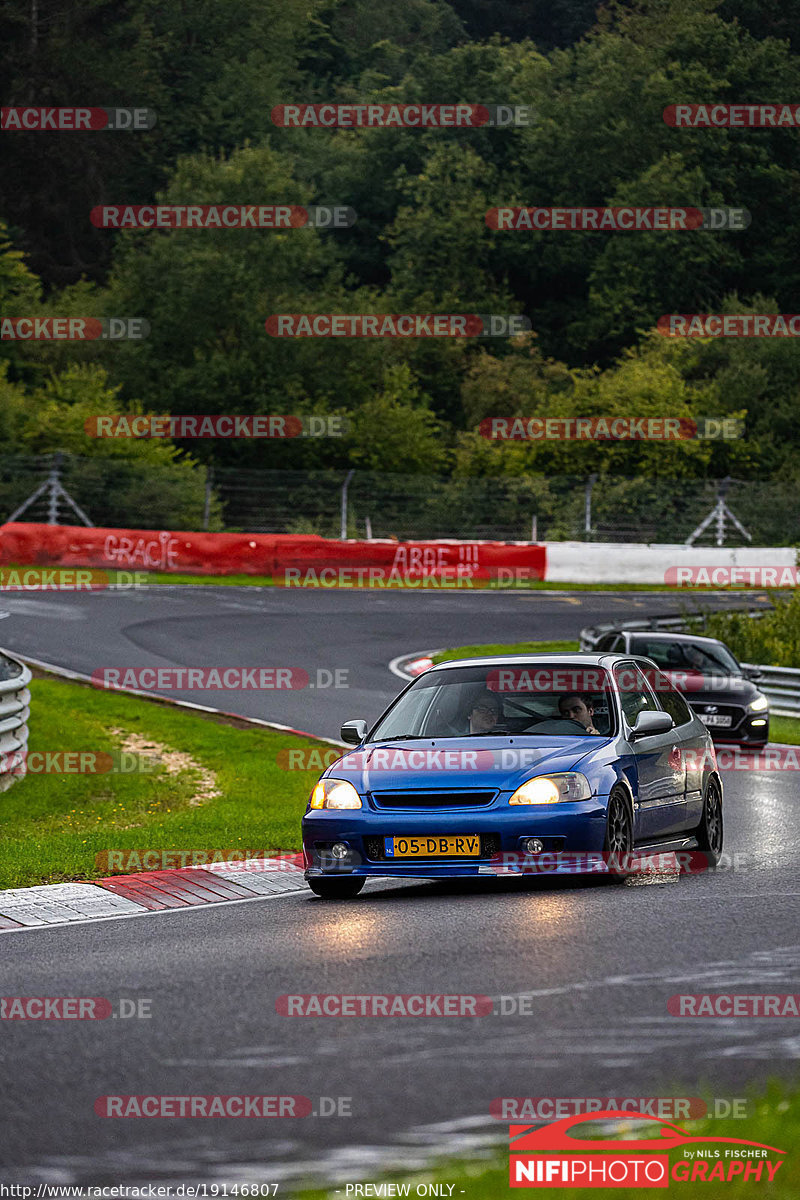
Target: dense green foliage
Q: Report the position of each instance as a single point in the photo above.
(773, 639)
(598, 83)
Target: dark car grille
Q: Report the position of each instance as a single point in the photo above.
(720, 710)
(428, 800)
(374, 849)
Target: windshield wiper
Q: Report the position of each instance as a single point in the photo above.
(402, 737)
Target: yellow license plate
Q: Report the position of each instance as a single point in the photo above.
(466, 846)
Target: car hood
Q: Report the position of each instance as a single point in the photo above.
(428, 764)
(725, 689)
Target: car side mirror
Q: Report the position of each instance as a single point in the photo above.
(650, 723)
(354, 732)
(753, 673)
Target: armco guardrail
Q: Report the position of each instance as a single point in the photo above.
(781, 685)
(590, 636)
(15, 699)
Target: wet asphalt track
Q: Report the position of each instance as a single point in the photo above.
(597, 962)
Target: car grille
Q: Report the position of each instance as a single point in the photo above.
(374, 850)
(720, 710)
(427, 800)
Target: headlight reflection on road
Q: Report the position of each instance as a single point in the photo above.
(347, 931)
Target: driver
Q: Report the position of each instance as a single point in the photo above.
(485, 712)
(694, 657)
(574, 707)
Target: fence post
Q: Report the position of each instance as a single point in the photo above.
(345, 486)
(587, 508)
(53, 486)
(207, 501)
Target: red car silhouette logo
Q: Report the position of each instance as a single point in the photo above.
(556, 1136)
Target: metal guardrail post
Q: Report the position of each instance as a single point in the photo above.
(15, 699)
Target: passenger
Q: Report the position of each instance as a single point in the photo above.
(578, 708)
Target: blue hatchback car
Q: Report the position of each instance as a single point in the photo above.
(490, 766)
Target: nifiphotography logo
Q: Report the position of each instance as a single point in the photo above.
(553, 1156)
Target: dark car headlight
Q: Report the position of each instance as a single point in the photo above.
(553, 789)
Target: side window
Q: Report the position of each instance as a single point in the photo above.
(670, 699)
(635, 695)
(608, 643)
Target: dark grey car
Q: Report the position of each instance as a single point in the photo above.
(719, 689)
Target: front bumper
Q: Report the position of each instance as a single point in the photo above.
(578, 827)
(743, 732)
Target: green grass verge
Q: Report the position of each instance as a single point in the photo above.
(158, 577)
(785, 730)
(164, 577)
(53, 825)
(773, 1119)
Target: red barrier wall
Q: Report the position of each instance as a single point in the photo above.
(303, 556)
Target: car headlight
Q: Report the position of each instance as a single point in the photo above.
(553, 789)
(759, 705)
(334, 793)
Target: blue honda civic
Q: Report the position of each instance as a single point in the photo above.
(492, 766)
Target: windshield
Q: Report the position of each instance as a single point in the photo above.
(710, 658)
(539, 699)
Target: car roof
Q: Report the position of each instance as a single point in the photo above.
(576, 659)
(665, 636)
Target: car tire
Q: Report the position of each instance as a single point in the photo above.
(619, 831)
(710, 831)
(336, 889)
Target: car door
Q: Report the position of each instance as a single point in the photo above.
(691, 739)
(660, 766)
